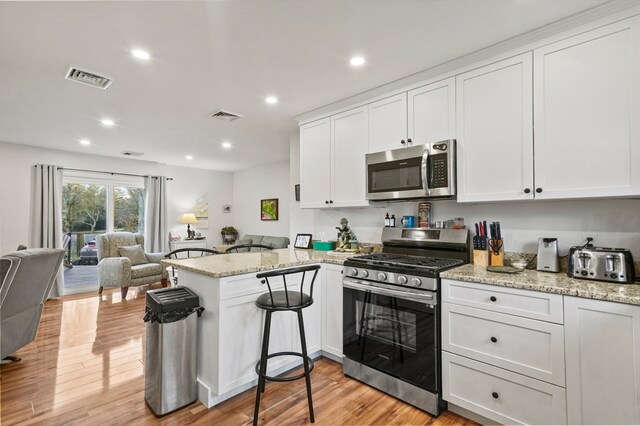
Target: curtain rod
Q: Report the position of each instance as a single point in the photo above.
(108, 173)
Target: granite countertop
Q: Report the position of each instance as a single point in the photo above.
(225, 265)
(549, 282)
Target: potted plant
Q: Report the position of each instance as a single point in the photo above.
(229, 235)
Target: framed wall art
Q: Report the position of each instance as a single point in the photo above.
(303, 241)
(269, 209)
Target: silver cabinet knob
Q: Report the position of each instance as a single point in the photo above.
(402, 279)
(416, 282)
(382, 276)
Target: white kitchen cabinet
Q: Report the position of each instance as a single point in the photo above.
(332, 310)
(602, 345)
(494, 131)
(500, 395)
(432, 112)
(315, 163)
(420, 116)
(388, 123)
(312, 317)
(332, 160)
(349, 139)
(241, 350)
(587, 105)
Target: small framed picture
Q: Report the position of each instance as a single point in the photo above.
(269, 209)
(303, 241)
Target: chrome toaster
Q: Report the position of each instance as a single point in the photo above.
(602, 264)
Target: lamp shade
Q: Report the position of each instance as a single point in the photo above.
(188, 218)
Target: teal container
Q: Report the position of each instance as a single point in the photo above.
(324, 245)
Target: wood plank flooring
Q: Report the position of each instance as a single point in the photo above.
(86, 368)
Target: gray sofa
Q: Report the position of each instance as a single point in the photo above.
(267, 240)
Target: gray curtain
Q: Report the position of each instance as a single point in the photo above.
(45, 224)
(155, 228)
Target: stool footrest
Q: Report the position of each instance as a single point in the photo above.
(285, 379)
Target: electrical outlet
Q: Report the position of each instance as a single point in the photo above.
(592, 235)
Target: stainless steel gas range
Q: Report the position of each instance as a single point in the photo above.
(391, 322)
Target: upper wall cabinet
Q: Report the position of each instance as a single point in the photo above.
(388, 123)
(432, 112)
(587, 114)
(315, 161)
(332, 160)
(494, 123)
(422, 115)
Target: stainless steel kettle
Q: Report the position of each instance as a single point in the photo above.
(548, 260)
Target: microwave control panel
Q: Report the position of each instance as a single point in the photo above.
(439, 171)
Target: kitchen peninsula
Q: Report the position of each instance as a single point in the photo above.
(230, 329)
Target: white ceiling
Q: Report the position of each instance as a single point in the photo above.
(229, 55)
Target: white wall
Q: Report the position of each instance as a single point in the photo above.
(187, 186)
(252, 185)
(615, 223)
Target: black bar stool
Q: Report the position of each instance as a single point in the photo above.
(284, 300)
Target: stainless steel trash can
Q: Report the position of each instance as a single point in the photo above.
(170, 367)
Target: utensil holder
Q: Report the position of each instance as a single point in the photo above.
(496, 257)
(481, 257)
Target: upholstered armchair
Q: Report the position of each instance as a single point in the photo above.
(122, 262)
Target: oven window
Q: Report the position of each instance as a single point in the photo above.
(392, 335)
(386, 325)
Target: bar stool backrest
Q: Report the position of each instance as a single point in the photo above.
(240, 248)
(264, 276)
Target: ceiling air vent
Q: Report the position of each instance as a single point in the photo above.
(89, 78)
(226, 116)
(132, 154)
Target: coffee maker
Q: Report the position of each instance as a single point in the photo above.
(548, 260)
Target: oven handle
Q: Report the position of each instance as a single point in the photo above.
(420, 298)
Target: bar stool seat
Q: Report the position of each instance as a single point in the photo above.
(284, 300)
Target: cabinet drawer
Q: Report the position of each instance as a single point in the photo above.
(525, 346)
(501, 395)
(523, 303)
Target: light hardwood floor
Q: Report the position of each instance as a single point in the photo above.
(86, 368)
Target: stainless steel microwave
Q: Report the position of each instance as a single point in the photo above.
(422, 171)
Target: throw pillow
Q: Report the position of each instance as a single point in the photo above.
(134, 253)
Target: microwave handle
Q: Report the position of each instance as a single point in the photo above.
(426, 171)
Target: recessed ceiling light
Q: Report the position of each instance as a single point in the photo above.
(357, 61)
(140, 54)
(107, 122)
(189, 157)
(85, 142)
(226, 145)
(271, 100)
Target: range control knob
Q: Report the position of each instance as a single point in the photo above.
(365, 273)
(382, 276)
(354, 272)
(402, 279)
(584, 273)
(613, 275)
(416, 282)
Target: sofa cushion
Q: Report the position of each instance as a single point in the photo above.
(275, 242)
(146, 270)
(134, 253)
(255, 239)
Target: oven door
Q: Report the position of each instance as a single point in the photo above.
(392, 331)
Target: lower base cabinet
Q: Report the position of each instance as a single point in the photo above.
(501, 395)
(602, 347)
(332, 310)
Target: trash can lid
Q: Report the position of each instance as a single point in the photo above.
(171, 300)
